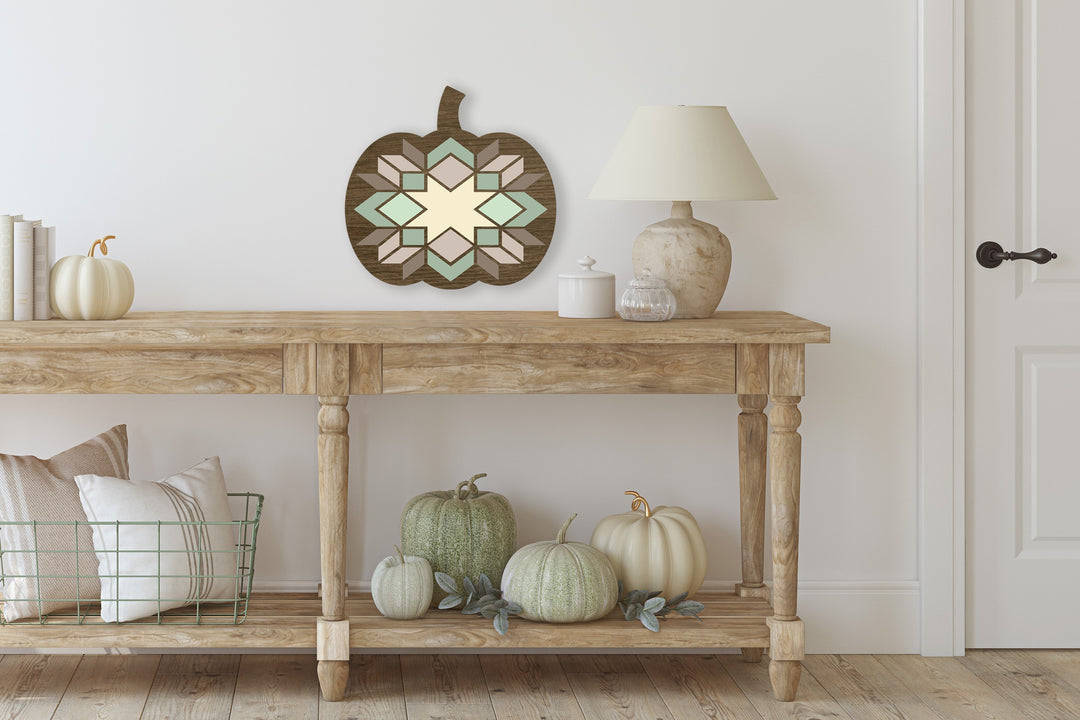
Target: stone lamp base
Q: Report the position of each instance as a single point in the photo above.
(692, 256)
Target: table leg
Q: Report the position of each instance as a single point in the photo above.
(333, 626)
(753, 438)
(785, 627)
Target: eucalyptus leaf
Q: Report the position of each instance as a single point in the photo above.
(631, 611)
(450, 601)
(489, 612)
(654, 604)
(468, 585)
(621, 589)
(677, 599)
(513, 608)
(690, 608)
(485, 585)
(474, 607)
(649, 620)
(502, 623)
(636, 597)
(447, 583)
(654, 593)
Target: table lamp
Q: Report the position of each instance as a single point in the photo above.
(680, 154)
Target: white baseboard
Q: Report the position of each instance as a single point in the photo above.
(841, 616)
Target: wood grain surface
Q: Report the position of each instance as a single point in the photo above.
(123, 370)
(1020, 685)
(112, 686)
(529, 687)
(406, 327)
(566, 368)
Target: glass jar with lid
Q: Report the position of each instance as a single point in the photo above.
(647, 298)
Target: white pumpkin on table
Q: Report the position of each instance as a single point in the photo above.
(401, 586)
(651, 548)
(91, 288)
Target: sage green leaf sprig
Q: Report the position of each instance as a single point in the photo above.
(649, 607)
(479, 598)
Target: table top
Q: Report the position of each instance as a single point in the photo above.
(407, 327)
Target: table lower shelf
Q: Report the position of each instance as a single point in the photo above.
(288, 621)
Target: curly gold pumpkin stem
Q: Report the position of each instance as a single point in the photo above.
(100, 244)
(638, 502)
(472, 490)
(561, 537)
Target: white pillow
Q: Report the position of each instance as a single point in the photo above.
(193, 562)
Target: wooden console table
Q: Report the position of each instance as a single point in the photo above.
(757, 356)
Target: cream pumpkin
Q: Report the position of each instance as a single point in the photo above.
(401, 586)
(560, 582)
(657, 548)
(91, 288)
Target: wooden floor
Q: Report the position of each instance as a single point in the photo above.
(1009, 685)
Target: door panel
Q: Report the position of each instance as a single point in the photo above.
(1023, 353)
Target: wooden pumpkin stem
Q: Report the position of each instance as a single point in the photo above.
(639, 502)
(400, 556)
(561, 537)
(448, 109)
(100, 244)
(472, 491)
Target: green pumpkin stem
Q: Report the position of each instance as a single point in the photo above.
(561, 537)
(472, 490)
(400, 557)
(448, 109)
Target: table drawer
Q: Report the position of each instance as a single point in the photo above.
(558, 368)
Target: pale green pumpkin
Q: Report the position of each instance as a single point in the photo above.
(463, 532)
(561, 582)
(401, 586)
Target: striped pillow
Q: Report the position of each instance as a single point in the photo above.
(45, 490)
(146, 568)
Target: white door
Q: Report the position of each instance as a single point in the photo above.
(1023, 343)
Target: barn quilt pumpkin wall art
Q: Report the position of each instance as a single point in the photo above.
(450, 208)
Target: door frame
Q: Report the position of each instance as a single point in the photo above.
(941, 317)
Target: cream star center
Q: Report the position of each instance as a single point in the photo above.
(450, 208)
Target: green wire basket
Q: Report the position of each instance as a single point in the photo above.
(86, 610)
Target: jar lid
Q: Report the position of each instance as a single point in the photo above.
(586, 272)
(646, 281)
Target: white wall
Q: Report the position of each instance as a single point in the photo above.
(215, 141)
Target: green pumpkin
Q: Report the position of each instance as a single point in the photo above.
(561, 582)
(462, 532)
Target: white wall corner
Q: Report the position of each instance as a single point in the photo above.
(940, 375)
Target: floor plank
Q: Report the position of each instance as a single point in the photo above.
(109, 686)
(952, 690)
(445, 687)
(607, 696)
(1064, 663)
(31, 686)
(1022, 680)
(276, 687)
(698, 686)
(192, 687)
(811, 702)
(529, 687)
(374, 691)
(865, 689)
(600, 664)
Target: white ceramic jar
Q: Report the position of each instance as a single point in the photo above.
(587, 293)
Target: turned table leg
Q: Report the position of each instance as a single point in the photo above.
(333, 626)
(753, 438)
(785, 627)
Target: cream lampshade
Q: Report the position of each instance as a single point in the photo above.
(680, 154)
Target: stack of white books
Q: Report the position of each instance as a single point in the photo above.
(27, 249)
